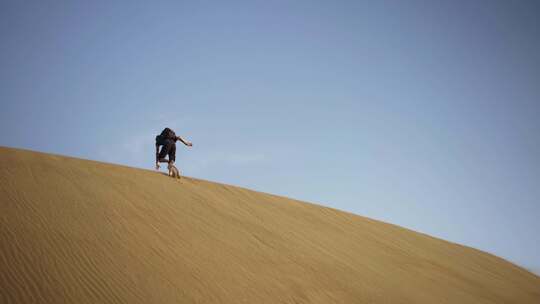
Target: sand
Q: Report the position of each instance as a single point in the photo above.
(79, 231)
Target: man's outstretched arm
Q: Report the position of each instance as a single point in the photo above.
(187, 143)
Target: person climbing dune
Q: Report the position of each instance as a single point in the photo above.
(167, 141)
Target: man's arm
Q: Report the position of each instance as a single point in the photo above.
(187, 143)
(157, 157)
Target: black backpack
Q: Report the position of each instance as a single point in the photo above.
(165, 134)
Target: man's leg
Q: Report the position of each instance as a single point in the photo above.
(172, 153)
(165, 150)
(173, 171)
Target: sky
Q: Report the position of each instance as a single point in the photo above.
(424, 114)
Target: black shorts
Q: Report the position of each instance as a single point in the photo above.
(168, 147)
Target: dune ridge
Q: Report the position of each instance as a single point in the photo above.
(80, 231)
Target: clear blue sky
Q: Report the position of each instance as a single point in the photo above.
(424, 114)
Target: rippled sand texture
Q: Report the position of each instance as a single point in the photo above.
(78, 231)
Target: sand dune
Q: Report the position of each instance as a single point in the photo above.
(78, 231)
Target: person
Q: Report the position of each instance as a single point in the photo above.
(167, 141)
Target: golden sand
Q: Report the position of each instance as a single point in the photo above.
(78, 231)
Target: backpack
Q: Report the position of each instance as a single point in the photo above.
(165, 134)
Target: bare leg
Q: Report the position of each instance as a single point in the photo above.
(173, 171)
